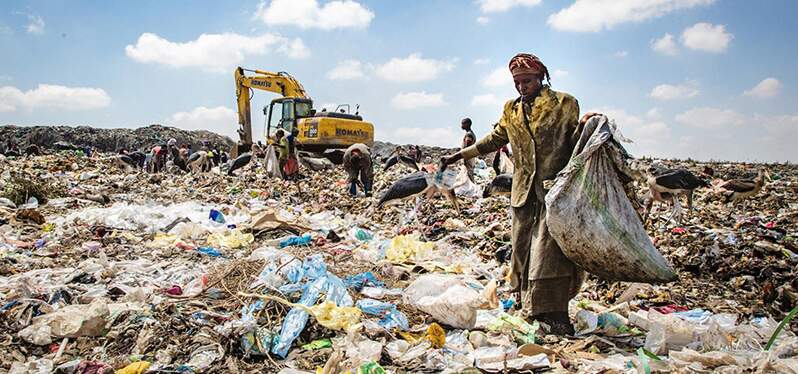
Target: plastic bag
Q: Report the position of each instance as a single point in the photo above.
(334, 317)
(272, 163)
(667, 332)
(296, 240)
(230, 239)
(358, 281)
(445, 179)
(592, 219)
(405, 248)
(391, 317)
(135, 368)
(446, 298)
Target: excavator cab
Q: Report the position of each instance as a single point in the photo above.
(284, 113)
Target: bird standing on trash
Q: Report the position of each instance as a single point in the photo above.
(239, 163)
(501, 185)
(737, 190)
(666, 184)
(543, 127)
(398, 155)
(416, 185)
(357, 163)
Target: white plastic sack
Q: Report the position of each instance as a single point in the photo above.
(446, 298)
(591, 217)
(272, 163)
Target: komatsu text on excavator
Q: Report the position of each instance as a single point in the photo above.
(317, 132)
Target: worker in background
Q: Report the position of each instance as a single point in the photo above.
(292, 163)
(543, 126)
(358, 166)
(419, 154)
(282, 150)
(174, 154)
(184, 151)
(156, 159)
(468, 139)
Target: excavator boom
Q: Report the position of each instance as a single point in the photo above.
(281, 83)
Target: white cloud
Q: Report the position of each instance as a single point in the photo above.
(308, 14)
(559, 73)
(666, 45)
(53, 96)
(711, 118)
(413, 68)
(654, 113)
(35, 25)
(212, 52)
(482, 61)
(413, 100)
(446, 137)
(648, 137)
(620, 54)
(597, 15)
(768, 87)
(5, 30)
(482, 20)
(347, 69)
(706, 37)
(490, 100)
(500, 77)
(498, 6)
(220, 119)
(673, 92)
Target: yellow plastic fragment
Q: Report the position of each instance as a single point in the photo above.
(334, 317)
(436, 335)
(406, 248)
(230, 239)
(135, 368)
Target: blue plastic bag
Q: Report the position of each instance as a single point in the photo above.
(358, 281)
(210, 251)
(296, 240)
(317, 281)
(391, 317)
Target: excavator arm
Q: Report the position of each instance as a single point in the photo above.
(281, 83)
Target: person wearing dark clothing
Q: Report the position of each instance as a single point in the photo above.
(137, 158)
(357, 163)
(468, 139)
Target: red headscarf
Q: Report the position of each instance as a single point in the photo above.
(526, 63)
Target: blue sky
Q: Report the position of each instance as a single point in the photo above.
(707, 79)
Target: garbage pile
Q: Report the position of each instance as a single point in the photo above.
(108, 140)
(104, 270)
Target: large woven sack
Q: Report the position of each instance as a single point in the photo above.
(591, 217)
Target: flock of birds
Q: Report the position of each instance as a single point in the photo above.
(665, 185)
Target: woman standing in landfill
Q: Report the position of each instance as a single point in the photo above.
(543, 127)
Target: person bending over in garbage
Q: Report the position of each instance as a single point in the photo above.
(357, 162)
(543, 127)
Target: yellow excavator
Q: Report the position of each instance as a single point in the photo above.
(321, 133)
